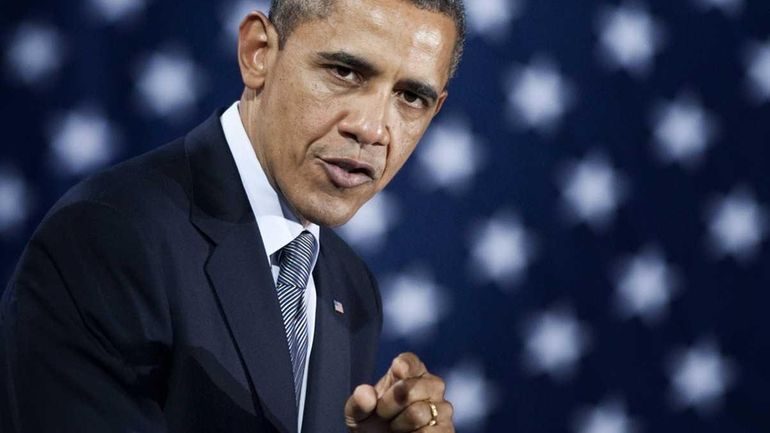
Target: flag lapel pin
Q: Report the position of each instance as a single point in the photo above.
(338, 307)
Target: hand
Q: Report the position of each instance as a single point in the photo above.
(400, 401)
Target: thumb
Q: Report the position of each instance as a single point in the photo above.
(360, 405)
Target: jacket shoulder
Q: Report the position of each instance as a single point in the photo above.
(148, 185)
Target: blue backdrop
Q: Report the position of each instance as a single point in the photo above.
(578, 243)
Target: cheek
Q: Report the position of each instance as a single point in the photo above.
(397, 156)
(304, 115)
(403, 145)
(313, 112)
(409, 136)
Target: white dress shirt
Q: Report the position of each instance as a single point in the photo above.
(277, 224)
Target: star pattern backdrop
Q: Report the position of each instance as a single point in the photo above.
(577, 245)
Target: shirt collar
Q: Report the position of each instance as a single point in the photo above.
(277, 223)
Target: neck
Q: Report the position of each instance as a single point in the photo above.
(247, 110)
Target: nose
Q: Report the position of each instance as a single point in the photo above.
(367, 121)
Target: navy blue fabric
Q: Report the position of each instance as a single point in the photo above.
(144, 303)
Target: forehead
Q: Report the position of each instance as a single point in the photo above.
(394, 35)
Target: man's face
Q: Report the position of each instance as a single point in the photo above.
(346, 101)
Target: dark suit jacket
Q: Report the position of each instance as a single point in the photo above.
(144, 303)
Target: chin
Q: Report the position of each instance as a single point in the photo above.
(328, 212)
(329, 218)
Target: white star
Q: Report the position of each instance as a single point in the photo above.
(608, 417)
(683, 131)
(168, 84)
(233, 13)
(501, 250)
(34, 53)
(737, 225)
(700, 376)
(555, 341)
(491, 18)
(644, 286)
(82, 141)
(113, 11)
(370, 225)
(629, 38)
(449, 156)
(592, 190)
(757, 61)
(472, 395)
(538, 96)
(730, 7)
(413, 304)
(14, 200)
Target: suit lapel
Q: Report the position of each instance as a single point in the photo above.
(329, 375)
(242, 281)
(240, 273)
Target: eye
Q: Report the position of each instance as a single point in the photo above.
(410, 97)
(413, 99)
(343, 72)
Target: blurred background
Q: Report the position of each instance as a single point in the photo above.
(579, 243)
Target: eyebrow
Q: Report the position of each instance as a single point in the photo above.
(359, 64)
(366, 68)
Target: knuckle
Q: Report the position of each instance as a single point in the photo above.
(436, 383)
(450, 409)
(410, 390)
(416, 415)
(439, 384)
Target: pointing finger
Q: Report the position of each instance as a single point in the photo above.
(408, 365)
(403, 366)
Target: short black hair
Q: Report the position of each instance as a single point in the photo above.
(286, 15)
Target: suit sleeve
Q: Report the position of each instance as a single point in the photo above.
(85, 328)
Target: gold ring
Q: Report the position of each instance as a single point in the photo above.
(433, 413)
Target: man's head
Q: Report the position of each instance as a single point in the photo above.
(339, 92)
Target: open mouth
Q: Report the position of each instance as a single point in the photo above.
(347, 173)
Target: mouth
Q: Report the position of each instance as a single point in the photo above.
(347, 173)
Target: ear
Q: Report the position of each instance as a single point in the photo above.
(257, 46)
(440, 102)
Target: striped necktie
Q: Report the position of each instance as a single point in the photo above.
(295, 261)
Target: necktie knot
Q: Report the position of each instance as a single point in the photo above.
(295, 260)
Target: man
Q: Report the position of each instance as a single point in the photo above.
(163, 294)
